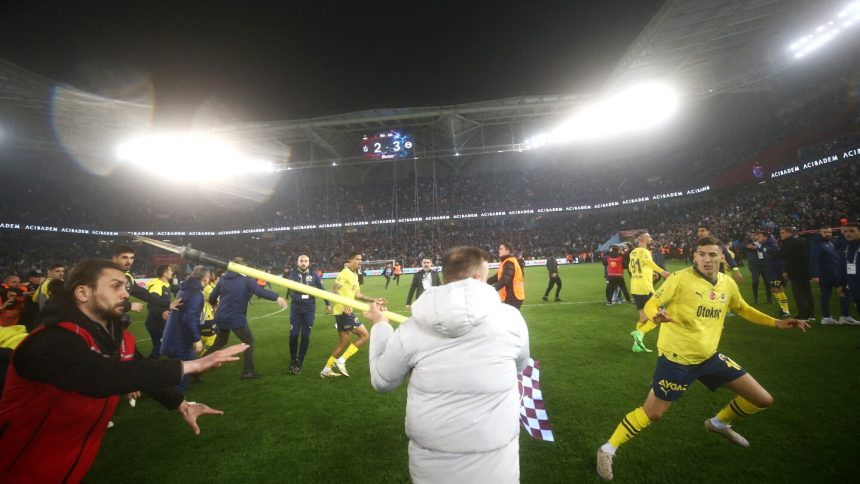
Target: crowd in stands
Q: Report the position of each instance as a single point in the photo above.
(305, 197)
(808, 201)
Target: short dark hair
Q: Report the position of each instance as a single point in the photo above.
(353, 254)
(122, 249)
(85, 273)
(509, 246)
(55, 266)
(707, 241)
(239, 260)
(704, 225)
(462, 262)
(160, 270)
(855, 224)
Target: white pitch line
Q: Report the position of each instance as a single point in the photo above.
(249, 319)
(270, 314)
(549, 305)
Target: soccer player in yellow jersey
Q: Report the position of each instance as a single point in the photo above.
(642, 268)
(704, 230)
(696, 301)
(346, 284)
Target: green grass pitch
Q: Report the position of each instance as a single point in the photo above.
(285, 428)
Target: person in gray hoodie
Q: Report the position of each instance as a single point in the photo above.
(464, 349)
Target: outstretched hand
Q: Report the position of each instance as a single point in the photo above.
(191, 410)
(792, 323)
(176, 304)
(214, 360)
(374, 314)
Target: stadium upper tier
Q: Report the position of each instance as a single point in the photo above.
(808, 200)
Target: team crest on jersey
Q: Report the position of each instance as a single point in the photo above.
(713, 296)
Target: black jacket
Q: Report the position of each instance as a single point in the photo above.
(552, 266)
(795, 253)
(60, 358)
(417, 287)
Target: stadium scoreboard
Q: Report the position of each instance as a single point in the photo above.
(387, 145)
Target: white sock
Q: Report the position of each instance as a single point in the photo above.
(608, 448)
(718, 424)
(341, 360)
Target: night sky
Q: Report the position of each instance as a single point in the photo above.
(289, 60)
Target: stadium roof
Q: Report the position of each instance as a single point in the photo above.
(707, 47)
(718, 46)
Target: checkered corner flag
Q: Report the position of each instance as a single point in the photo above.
(532, 412)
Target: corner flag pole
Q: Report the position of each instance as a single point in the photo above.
(199, 256)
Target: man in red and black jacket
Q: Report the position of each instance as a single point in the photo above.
(67, 375)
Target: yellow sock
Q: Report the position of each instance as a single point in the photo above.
(782, 300)
(737, 408)
(330, 362)
(630, 426)
(350, 351)
(646, 326)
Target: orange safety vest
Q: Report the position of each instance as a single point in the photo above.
(519, 289)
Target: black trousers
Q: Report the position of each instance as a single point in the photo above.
(553, 281)
(757, 272)
(244, 334)
(514, 302)
(802, 291)
(616, 282)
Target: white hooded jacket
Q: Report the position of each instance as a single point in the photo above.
(465, 349)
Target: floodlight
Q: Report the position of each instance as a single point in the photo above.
(197, 156)
(634, 109)
(826, 32)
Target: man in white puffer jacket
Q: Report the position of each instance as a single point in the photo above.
(464, 348)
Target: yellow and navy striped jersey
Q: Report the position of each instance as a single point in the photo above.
(642, 268)
(348, 282)
(698, 309)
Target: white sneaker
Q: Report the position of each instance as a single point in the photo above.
(829, 321)
(110, 424)
(327, 373)
(604, 464)
(341, 368)
(728, 433)
(849, 320)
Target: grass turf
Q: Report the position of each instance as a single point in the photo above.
(285, 428)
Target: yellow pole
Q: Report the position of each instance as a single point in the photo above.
(313, 291)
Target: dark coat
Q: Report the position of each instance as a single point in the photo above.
(235, 291)
(795, 253)
(823, 259)
(417, 288)
(183, 324)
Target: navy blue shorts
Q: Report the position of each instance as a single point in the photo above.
(672, 379)
(346, 322)
(640, 300)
